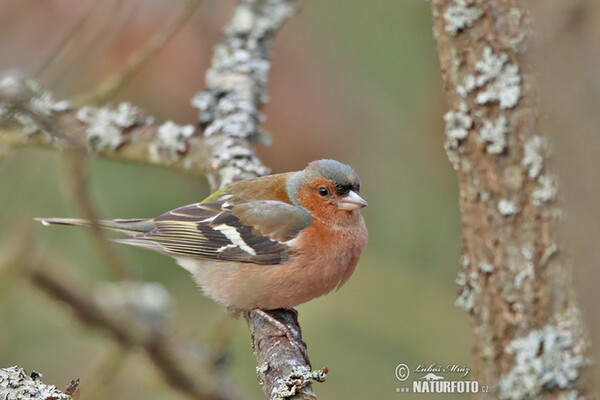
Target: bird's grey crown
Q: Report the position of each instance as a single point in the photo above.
(342, 176)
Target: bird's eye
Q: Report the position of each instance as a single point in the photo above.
(323, 191)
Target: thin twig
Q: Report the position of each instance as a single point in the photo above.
(67, 41)
(113, 85)
(111, 258)
(107, 20)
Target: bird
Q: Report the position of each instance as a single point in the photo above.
(263, 243)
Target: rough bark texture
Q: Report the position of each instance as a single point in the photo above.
(282, 368)
(528, 334)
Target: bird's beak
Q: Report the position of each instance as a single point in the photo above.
(351, 201)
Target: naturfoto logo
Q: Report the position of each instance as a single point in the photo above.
(437, 378)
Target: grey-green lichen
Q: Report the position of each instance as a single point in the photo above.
(105, 125)
(571, 395)
(174, 137)
(15, 384)
(533, 159)
(237, 80)
(546, 190)
(234, 161)
(24, 103)
(461, 14)
(261, 371)
(502, 81)
(486, 267)
(300, 377)
(494, 133)
(498, 80)
(544, 360)
(507, 207)
(520, 24)
(468, 281)
(458, 124)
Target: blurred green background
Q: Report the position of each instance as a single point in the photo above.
(355, 81)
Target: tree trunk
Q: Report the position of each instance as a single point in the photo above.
(529, 339)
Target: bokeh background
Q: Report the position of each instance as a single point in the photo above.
(356, 81)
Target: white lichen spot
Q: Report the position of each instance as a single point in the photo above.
(571, 395)
(519, 24)
(548, 253)
(484, 196)
(174, 137)
(546, 190)
(461, 14)
(102, 131)
(502, 80)
(61, 106)
(469, 286)
(205, 102)
(527, 252)
(544, 360)
(243, 20)
(534, 155)
(469, 84)
(127, 115)
(42, 105)
(435, 32)
(455, 60)
(458, 124)
(507, 207)
(526, 273)
(486, 267)
(494, 134)
(28, 124)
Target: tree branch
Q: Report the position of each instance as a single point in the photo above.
(529, 337)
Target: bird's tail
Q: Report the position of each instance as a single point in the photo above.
(129, 227)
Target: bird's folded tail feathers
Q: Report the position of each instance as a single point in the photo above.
(127, 226)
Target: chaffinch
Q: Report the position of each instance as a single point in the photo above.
(264, 243)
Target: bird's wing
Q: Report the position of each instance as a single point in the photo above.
(258, 232)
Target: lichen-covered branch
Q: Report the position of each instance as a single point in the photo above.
(529, 337)
(30, 117)
(236, 88)
(282, 368)
(16, 384)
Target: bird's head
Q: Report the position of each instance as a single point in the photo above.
(327, 189)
